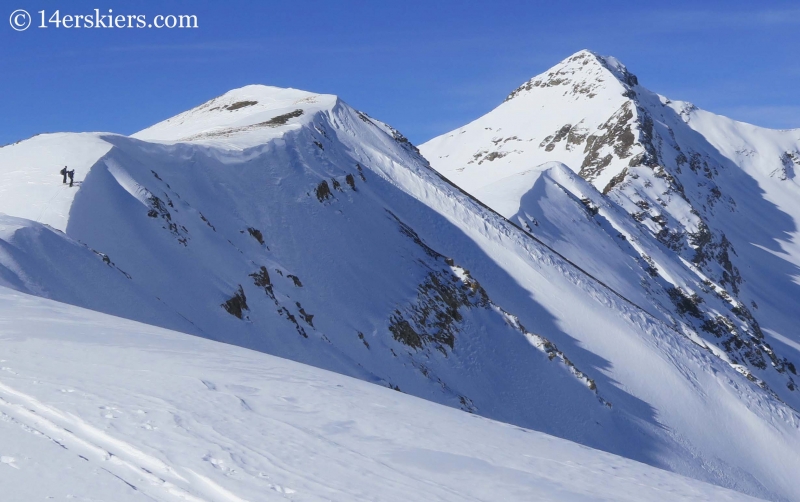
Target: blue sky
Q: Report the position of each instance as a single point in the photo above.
(425, 67)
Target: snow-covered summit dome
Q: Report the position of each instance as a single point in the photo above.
(262, 110)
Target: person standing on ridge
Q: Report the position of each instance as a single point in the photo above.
(71, 175)
(64, 174)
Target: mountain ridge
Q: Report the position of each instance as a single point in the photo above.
(633, 156)
(324, 237)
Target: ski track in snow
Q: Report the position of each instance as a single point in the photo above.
(307, 435)
(93, 445)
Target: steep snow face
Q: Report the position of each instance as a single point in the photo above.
(697, 219)
(39, 260)
(324, 237)
(115, 415)
(758, 175)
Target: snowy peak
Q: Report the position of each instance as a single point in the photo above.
(242, 117)
(581, 75)
(584, 112)
(694, 202)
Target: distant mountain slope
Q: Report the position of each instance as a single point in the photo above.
(698, 217)
(292, 224)
(116, 415)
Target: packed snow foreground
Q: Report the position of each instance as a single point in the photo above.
(291, 224)
(93, 407)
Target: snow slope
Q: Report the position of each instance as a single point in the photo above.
(697, 221)
(125, 411)
(292, 224)
(31, 186)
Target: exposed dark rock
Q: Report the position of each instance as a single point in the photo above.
(240, 104)
(256, 234)
(403, 332)
(285, 313)
(308, 318)
(467, 404)
(207, 222)
(261, 278)
(493, 156)
(434, 316)
(527, 86)
(618, 136)
(410, 233)
(403, 141)
(650, 267)
(237, 304)
(790, 162)
(685, 304)
(616, 180)
(351, 181)
(559, 135)
(549, 348)
(323, 191)
(159, 209)
(590, 206)
(281, 119)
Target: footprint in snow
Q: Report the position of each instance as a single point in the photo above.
(9, 461)
(282, 489)
(219, 464)
(110, 410)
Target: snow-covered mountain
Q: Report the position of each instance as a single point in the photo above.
(122, 411)
(692, 216)
(290, 223)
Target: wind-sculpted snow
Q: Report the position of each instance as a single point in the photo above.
(127, 412)
(31, 186)
(324, 237)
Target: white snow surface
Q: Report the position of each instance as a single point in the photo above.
(31, 186)
(692, 216)
(678, 170)
(342, 249)
(94, 407)
(240, 118)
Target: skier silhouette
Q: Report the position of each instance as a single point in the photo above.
(63, 172)
(71, 175)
